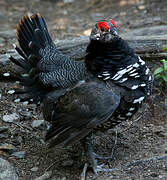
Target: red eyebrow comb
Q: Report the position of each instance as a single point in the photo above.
(103, 25)
(113, 23)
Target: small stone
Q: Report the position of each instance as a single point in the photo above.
(45, 176)
(63, 178)
(34, 169)
(141, 7)
(6, 74)
(10, 118)
(25, 103)
(39, 124)
(17, 100)
(11, 91)
(7, 171)
(25, 113)
(19, 155)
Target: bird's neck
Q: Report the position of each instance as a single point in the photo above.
(117, 62)
(108, 56)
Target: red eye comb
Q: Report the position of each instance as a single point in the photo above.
(103, 25)
(113, 23)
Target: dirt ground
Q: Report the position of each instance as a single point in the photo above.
(145, 136)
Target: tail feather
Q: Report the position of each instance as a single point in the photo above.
(21, 62)
(33, 36)
(33, 30)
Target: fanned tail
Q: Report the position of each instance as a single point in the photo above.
(33, 38)
(33, 35)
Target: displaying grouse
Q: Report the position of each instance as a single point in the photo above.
(46, 67)
(112, 64)
(82, 97)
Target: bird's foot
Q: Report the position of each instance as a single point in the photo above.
(96, 170)
(100, 168)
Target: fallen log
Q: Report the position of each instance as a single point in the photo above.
(147, 42)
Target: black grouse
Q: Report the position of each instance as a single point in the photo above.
(82, 97)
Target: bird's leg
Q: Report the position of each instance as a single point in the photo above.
(92, 159)
(112, 152)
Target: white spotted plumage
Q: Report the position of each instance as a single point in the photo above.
(134, 87)
(147, 71)
(129, 114)
(106, 78)
(131, 109)
(123, 80)
(136, 65)
(141, 61)
(139, 100)
(134, 74)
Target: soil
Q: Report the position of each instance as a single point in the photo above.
(145, 136)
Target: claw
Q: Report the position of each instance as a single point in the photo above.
(100, 168)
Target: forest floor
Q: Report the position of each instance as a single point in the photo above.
(144, 137)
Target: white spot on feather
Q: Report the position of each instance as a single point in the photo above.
(149, 78)
(105, 74)
(136, 65)
(24, 75)
(139, 100)
(123, 80)
(106, 78)
(8, 56)
(134, 87)
(131, 109)
(129, 114)
(147, 71)
(132, 71)
(134, 74)
(120, 73)
(143, 85)
(14, 46)
(141, 61)
(119, 117)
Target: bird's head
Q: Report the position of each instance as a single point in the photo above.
(104, 31)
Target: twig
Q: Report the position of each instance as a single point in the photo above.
(50, 166)
(83, 174)
(23, 126)
(142, 161)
